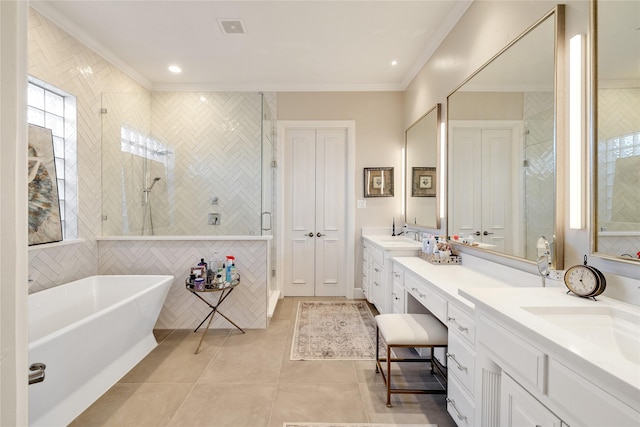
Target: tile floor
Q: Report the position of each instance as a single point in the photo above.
(248, 380)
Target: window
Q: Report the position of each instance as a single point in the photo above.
(54, 109)
(615, 148)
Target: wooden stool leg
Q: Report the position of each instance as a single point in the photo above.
(377, 349)
(388, 376)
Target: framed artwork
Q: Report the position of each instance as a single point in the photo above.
(378, 182)
(44, 207)
(424, 182)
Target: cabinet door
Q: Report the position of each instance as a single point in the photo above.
(519, 409)
(376, 286)
(366, 267)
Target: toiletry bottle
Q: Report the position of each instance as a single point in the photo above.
(202, 264)
(228, 266)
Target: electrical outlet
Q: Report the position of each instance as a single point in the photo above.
(556, 274)
(214, 219)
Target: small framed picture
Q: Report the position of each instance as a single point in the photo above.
(378, 182)
(424, 182)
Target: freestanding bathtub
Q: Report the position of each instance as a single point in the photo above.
(89, 333)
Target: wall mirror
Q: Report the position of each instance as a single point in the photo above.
(616, 136)
(503, 132)
(421, 177)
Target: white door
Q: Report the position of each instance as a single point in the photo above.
(315, 214)
(482, 200)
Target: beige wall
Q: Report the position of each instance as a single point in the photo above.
(379, 141)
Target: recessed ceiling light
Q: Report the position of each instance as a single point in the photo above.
(394, 63)
(175, 69)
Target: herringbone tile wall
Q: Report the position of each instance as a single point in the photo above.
(214, 143)
(247, 304)
(539, 178)
(57, 58)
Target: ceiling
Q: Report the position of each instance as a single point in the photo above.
(287, 45)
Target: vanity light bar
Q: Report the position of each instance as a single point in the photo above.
(576, 156)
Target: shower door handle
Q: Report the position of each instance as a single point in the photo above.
(267, 228)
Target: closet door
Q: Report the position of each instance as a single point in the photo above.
(315, 173)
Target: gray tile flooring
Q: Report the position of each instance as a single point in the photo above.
(248, 380)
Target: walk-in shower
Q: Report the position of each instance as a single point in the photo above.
(212, 151)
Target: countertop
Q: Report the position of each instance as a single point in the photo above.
(588, 350)
(450, 279)
(391, 243)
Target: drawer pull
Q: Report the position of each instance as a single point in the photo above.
(418, 292)
(376, 283)
(453, 357)
(396, 274)
(460, 327)
(459, 414)
(377, 270)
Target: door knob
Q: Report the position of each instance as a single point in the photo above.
(320, 235)
(486, 233)
(310, 234)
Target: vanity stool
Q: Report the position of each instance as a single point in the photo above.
(409, 330)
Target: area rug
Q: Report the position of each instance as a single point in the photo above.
(334, 330)
(354, 425)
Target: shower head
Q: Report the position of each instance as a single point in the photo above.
(156, 179)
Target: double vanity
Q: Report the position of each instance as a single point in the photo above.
(519, 354)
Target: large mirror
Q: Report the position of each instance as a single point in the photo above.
(422, 180)
(616, 145)
(502, 135)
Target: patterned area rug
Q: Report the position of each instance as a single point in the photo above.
(354, 425)
(334, 330)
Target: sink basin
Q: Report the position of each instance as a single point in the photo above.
(394, 239)
(608, 327)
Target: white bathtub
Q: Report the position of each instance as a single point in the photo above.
(89, 333)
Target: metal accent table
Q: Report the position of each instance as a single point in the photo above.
(225, 291)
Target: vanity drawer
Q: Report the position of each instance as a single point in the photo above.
(427, 297)
(524, 362)
(459, 405)
(376, 254)
(461, 362)
(461, 324)
(397, 299)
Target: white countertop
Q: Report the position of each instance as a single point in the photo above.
(452, 278)
(576, 343)
(390, 243)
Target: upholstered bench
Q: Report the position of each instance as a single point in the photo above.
(409, 331)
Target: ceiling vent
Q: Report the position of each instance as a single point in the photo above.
(231, 26)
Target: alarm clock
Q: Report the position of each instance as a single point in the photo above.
(585, 280)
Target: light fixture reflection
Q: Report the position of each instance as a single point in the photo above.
(576, 156)
(175, 69)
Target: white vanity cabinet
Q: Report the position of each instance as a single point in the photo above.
(397, 289)
(534, 373)
(379, 252)
(366, 270)
(461, 359)
(422, 292)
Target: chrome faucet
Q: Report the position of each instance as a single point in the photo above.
(544, 259)
(406, 231)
